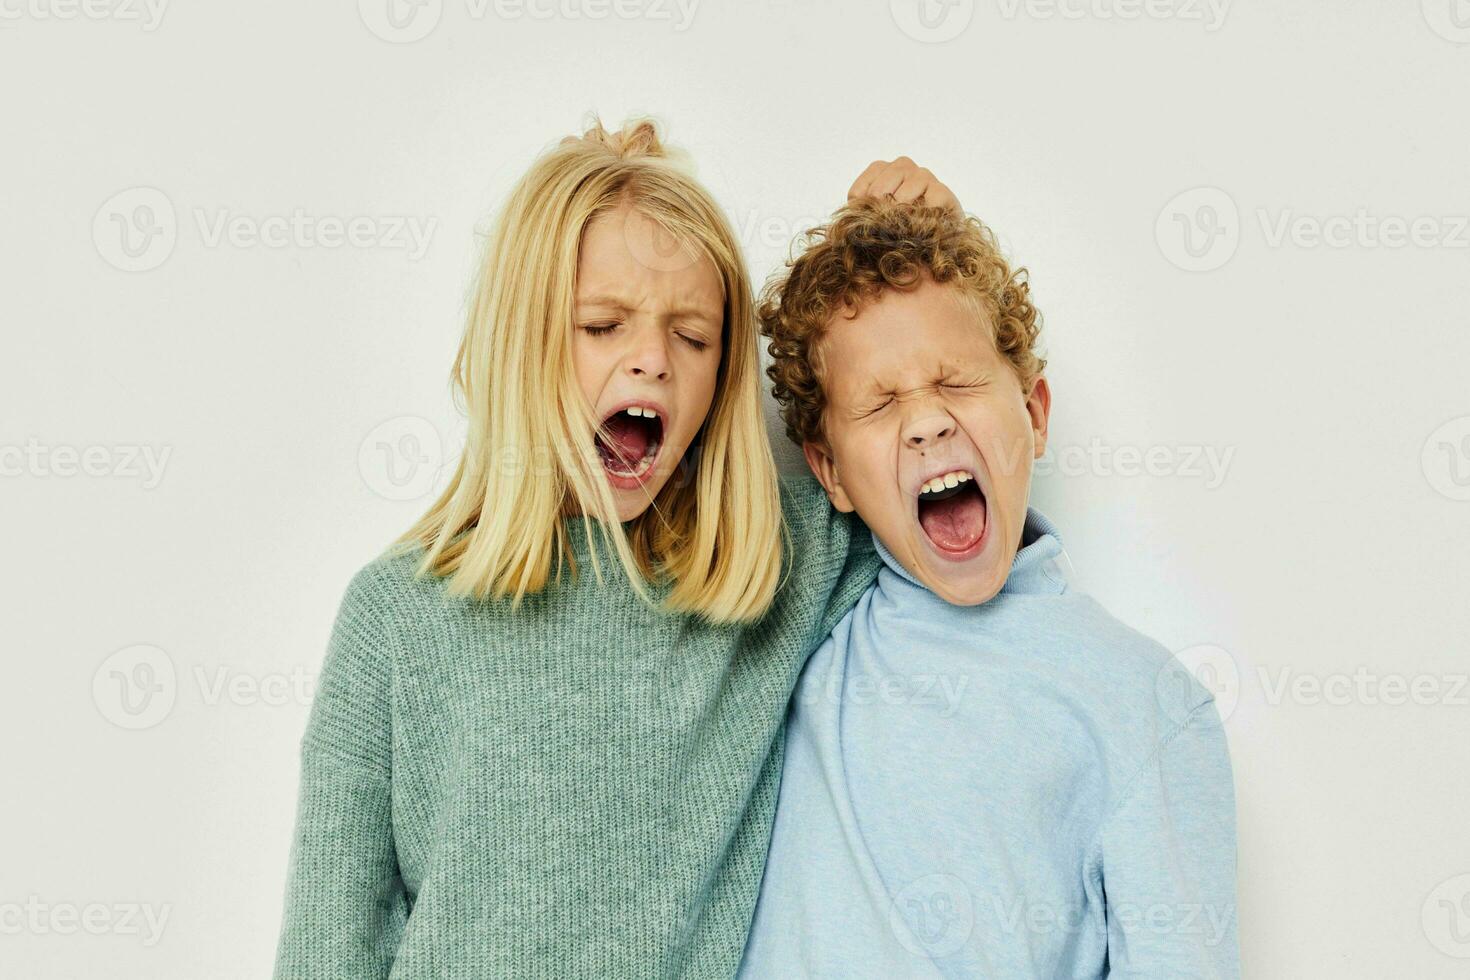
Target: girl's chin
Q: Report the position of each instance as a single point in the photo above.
(634, 496)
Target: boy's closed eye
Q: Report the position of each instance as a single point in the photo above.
(873, 408)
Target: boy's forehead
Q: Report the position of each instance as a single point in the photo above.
(882, 344)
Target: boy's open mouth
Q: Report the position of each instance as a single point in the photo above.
(628, 442)
(952, 513)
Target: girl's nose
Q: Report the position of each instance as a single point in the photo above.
(648, 359)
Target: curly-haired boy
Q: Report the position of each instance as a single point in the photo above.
(986, 774)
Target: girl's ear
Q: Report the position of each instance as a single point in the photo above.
(1038, 406)
(819, 458)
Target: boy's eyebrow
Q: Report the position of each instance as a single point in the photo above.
(874, 384)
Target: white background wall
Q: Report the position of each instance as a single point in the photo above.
(1333, 549)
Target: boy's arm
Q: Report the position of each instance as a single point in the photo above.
(346, 905)
(1168, 860)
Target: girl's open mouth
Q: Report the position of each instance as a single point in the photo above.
(628, 442)
(953, 514)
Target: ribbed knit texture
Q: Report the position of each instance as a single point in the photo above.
(582, 788)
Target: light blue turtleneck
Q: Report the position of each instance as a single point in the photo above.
(1024, 788)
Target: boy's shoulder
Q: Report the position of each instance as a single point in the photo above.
(1133, 681)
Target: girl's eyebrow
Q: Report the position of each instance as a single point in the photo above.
(611, 302)
(621, 305)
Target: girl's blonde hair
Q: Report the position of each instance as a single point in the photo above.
(529, 455)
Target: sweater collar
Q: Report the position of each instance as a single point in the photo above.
(1039, 568)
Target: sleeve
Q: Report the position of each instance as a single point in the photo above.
(346, 905)
(1168, 860)
(832, 555)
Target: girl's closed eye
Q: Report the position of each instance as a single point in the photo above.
(694, 342)
(599, 329)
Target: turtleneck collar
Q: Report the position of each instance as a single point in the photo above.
(1037, 569)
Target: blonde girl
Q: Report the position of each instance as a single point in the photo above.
(547, 734)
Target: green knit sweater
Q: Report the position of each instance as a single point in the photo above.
(582, 788)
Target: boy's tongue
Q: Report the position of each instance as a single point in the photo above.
(954, 523)
(627, 440)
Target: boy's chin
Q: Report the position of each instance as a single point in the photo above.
(967, 580)
(968, 583)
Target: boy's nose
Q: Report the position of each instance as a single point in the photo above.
(923, 433)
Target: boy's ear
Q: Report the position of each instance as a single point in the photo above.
(819, 458)
(1038, 406)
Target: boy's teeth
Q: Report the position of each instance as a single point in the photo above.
(951, 479)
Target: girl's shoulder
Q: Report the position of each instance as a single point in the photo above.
(392, 586)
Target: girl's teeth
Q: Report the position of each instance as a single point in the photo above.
(638, 412)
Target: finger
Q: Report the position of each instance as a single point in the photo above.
(914, 185)
(889, 179)
(860, 186)
(939, 196)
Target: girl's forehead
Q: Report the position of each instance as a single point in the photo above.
(620, 266)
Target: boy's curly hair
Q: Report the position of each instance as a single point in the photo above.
(870, 246)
